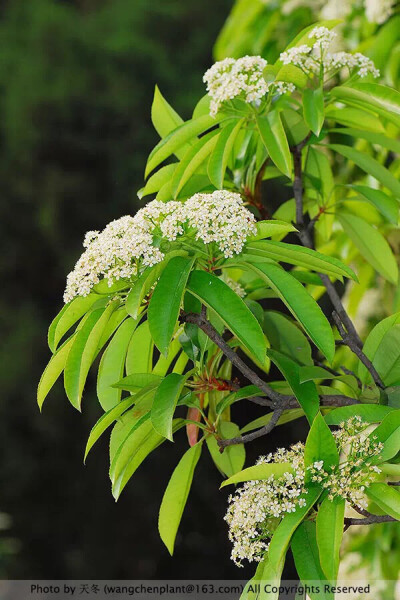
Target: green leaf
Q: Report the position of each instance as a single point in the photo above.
(286, 337)
(175, 496)
(222, 151)
(215, 294)
(301, 305)
(112, 363)
(306, 558)
(274, 138)
(157, 181)
(370, 166)
(137, 381)
(233, 457)
(306, 393)
(248, 391)
(371, 245)
(106, 420)
(83, 352)
(379, 98)
(371, 136)
(388, 433)
(320, 445)
(370, 413)
(386, 497)
(302, 257)
(164, 118)
(53, 370)
(164, 404)
(259, 472)
(387, 205)
(269, 228)
(387, 357)
(166, 301)
(68, 316)
(330, 523)
(139, 358)
(193, 159)
(176, 139)
(312, 372)
(373, 342)
(352, 117)
(286, 528)
(313, 109)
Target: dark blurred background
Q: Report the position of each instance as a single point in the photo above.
(76, 84)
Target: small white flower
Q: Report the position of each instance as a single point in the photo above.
(378, 11)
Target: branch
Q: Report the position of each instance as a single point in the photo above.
(350, 342)
(306, 240)
(249, 437)
(212, 333)
(369, 520)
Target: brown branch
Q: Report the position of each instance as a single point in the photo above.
(212, 333)
(369, 520)
(306, 240)
(395, 483)
(249, 437)
(350, 342)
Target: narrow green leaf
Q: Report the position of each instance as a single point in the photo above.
(193, 159)
(386, 497)
(83, 352)
(286, 528)
(139, 358)
(176, 139)
(313, 108)
(232, 459)
(269, 228)
(320, 445)
(164, 118)
(215, 294)
(370, 166)
(166, 301)
(157, 181)
(220, 155)
(306, 558)
(352, 117)
(274, 137)
(373, 342)
(248, 391)
(302, 257)
(330, 523)
(286, 337)
(370, 413)
(301, 305)
(106, 420)
(112, 364)
(387, 205)
(306, 393)
(371, 245)
(312, 372)
(175, 496)
(388, 432)
(371, 136)
(164, 404)
(53, 370)
(68, 316)
(379, 98)
(259, 472)
(137, 381)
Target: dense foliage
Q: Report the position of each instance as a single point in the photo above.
(177, 300)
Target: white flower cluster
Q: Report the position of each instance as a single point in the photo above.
(355, 472)
(127, 244)
(310, 58)
(236, 287)
(256, 508)
(230, 78)
(376, 11)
